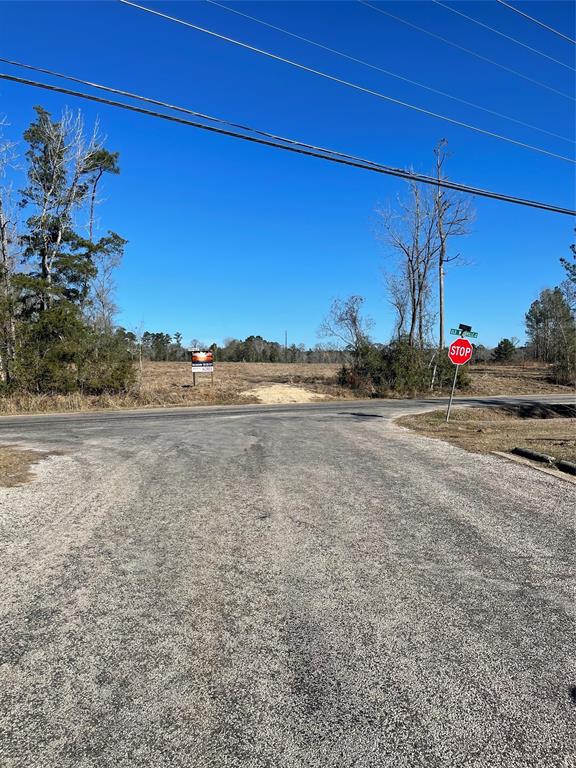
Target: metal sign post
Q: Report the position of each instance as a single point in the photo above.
(459, 352)
(452, 393)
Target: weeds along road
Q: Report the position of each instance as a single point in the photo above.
(297, 587)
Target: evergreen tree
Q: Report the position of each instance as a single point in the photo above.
(551, 329)
(504, 352)
(57, 344)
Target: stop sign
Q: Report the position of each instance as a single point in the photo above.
(460, 351)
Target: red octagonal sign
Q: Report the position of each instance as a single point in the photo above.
(460, 351)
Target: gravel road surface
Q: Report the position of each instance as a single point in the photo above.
(282, 587)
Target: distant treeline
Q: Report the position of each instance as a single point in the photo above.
(159, 346)
(256, 349)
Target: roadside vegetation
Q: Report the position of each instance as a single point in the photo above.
(57, 334)
(61, 349)
(169, 384)
(545, 429)
(418, 235)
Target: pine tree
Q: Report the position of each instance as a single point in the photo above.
(64, 336)
(504, 352)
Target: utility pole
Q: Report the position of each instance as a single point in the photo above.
(439, 151)
(285, 346)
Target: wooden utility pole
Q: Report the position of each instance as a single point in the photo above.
(440, 211)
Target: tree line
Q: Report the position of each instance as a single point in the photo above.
(256, 349)
(159, 347)
(550, 328)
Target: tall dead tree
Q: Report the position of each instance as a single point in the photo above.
(8, 248)
(453, 215)
(107, 257)
(411, 233)
(7, 319)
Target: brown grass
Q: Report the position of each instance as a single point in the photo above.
(513, 379)
(483, 430)
(170, 385)
(15, 465)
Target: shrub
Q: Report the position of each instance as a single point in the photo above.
(564, 368)
(60, 353)
(107, 366)
(49, 350)
(401, 369)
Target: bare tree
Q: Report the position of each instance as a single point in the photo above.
(453, 217)
(398, 293)
(411, 233)
(8, 257)
(139, 336)
(568, 285)
(325, 353)
(419, 231)
(107, 258)
(346, 324)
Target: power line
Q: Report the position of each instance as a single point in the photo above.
(537, 21)
(347, 83)
(176, 108)
(387, 72)
(467, 50)
(138, 97)
(502, 34)
(291, 145)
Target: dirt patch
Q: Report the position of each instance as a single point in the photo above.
(547, 429)
(284, 393)
(15, 465)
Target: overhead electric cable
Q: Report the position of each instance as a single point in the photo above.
(291, 145)
(388, 72)
(138, 97)
(466, 50)
(502, 34)
(537, 21)
(174, 107)
(177, 108)
(347, 83)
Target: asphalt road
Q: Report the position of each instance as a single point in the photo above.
(290, 587)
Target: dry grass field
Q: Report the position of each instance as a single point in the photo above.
(550, 430)
(513, 379)
(170, 384)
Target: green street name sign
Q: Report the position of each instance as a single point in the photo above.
(469, 334)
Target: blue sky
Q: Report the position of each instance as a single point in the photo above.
(230, 239)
